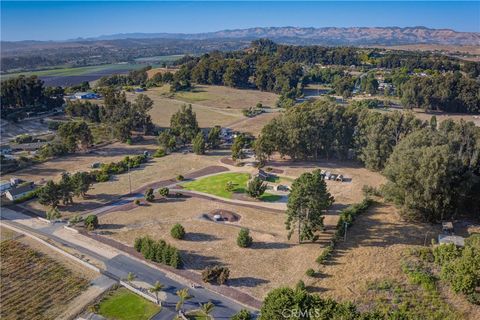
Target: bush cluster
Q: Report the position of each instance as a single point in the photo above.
(159, 153)
(158, 251)
(461, 267)
(215, 274)
(91, 222)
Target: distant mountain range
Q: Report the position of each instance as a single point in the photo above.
(322, 36)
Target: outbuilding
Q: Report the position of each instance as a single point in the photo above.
(16, 193)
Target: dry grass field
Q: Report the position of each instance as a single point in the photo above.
(33, 285)
(156, 169)
(345, 193)
(213, 105)
(272, 260)
(373, 253)
(52, 169)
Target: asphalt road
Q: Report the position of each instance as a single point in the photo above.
(120, 265)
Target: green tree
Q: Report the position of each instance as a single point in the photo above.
(81, 182)
(207, 308)
(237, 147)
(307, 203)
(149, 196)
(131, 276)
(66, 188)
(199, 144)
(49, 195)
(183, 295)
(75, 135)
(213, 138)
(155, 289)
(177, 231)
(184, 124)
(164, 192)
(244, 239)
(167, 140)
(91, 222)
(53, 214)
(256, 188)
(242, 315)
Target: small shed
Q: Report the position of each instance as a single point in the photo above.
(4, 185)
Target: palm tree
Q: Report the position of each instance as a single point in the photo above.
(208, 307)
(131, 276)
(157, 287)
(183, 295)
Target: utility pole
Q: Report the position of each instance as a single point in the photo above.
(129, 180)
(345, 235)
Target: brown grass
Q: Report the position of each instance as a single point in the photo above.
(271, 261)
(373, 252)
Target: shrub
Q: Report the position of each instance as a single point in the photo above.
(28, 196)
(75, 219)
(137, 202)
(242, 315)
(91, 222)
(369, 191)
(310, 272)
(216, 274)
(163, 191)
(244, 239)
(149, 196)
(322, 258)
(446, 253)
(180, 177)
(230, 186)
(159, 153)
(300, 285)
(178, 231)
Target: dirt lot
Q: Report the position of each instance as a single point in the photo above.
(373, 252)
(256, 270)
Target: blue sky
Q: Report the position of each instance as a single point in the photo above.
(41, 20)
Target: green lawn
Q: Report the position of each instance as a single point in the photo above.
(216, 185)
(122, 304)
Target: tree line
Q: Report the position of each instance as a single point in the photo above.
(27, 94)
(433, 172)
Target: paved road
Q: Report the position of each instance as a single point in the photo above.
(119, 265)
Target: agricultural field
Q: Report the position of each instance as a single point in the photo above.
(367, 268)
(33, 285)
(73, 76)
(121, 304)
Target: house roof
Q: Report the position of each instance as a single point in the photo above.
(21, 190)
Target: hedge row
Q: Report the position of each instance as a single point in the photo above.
(347, 215)
(158, 251)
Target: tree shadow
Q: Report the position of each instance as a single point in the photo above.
(270, 245)
(199, 262)
(198, 236)
(249, 282)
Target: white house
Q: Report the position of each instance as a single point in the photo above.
(14, 194)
